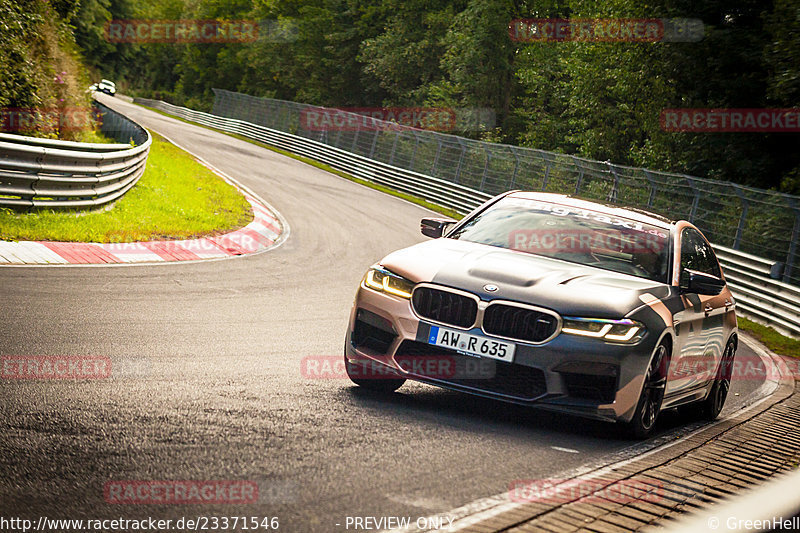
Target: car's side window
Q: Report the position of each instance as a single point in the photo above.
(697, 255)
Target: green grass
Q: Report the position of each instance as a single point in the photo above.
(780, 344)
(176, 198)
(327, 168)
(82, 135)
(92, 136)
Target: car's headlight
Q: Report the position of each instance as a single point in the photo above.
(625, 330)
(380, 279)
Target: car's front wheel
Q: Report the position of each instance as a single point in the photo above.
(364, 376)
(649, 406)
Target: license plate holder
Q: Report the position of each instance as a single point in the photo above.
(471, 344)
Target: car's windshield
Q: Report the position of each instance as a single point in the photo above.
(572, 234)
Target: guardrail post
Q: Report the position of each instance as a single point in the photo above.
(696, 201)
(460, 160)
(612, 196)
(436, 157)
(579, 182)
(273, 115)
(516, 167)
(653, 187)
(792, 254)
(374, 142)
(737, 240)
(414, 152)
(284, 116)
(215, 107)
(394, 147)
(485, 169)
(547, 165)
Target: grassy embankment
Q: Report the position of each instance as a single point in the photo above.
(176, 198)
(780, 344)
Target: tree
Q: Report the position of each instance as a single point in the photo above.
(479, 61)
(405, 58)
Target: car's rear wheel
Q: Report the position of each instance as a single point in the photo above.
(715, 401)
(649, 406)
(369, 379)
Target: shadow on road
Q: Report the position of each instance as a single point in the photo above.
(468, 412)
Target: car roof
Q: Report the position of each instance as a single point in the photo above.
(632, 213)
(107, 81)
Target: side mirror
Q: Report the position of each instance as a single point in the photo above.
(434, 227)
(699, 283)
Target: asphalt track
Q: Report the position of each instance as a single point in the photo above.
(207, 381)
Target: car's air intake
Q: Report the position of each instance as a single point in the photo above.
(445, 306)
(520, 323)
(509, 379)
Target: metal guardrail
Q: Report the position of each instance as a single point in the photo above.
(38, 172)
(442, 192)
(756, 221)
(757, 293)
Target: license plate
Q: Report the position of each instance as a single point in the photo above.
(472, 344)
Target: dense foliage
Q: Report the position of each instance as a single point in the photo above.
(599, 100)
(40, 69)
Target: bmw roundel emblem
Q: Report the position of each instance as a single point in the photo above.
(490, 288)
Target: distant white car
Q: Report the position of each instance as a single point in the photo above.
(108, 87)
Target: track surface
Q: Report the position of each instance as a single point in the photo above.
(207, 381)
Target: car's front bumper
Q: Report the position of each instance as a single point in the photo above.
(583, 376)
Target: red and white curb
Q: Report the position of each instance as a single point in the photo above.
(262, 233)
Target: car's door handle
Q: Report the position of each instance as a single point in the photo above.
(708, 309)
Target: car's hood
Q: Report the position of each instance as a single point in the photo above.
(568, 288)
